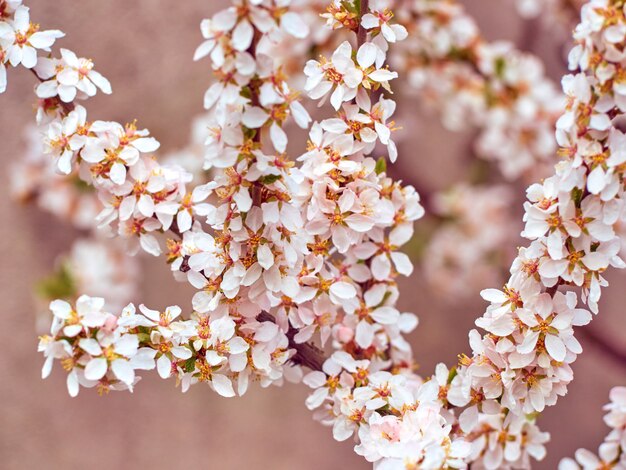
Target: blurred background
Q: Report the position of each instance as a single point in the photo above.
(145, 47)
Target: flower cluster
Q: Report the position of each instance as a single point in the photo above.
(34, 179)
(612, 452)
(20, 39)
(493, 86)
(398, 419)
(69, 77)
(100, 349)
(524, 360)
(344, 77)
(462, 256)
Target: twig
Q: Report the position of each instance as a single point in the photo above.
(307, 354)
(361, 35)
(67, 107)
(552, 290)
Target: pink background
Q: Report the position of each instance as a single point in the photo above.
(144, 47)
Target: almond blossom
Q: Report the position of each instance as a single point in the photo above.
(23, 38)
(68, 77)
(345, 76)
(65, 138)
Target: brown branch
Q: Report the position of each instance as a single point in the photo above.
(254, 88)
(307, 354)
(552, 290)
(67, 107)
(256, 189)
(361, 34)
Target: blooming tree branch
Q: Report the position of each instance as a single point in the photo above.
(295, 262)
(492, 85)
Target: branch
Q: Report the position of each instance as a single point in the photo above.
(307, 354)
(67, 107)
(553, 290)
(361, 35)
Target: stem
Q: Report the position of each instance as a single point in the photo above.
(552, 290)
(361, 35)
(67, 107)
(254, 91)
(256, 190)
(307, 354)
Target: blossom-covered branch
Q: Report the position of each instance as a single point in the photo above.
(523, 361)
(99, 349)
(522, 364)
(490, 85)
(142, 197)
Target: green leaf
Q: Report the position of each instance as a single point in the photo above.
(381, 166)
(143, 338)
(59, 285)
(81, 186)
(246, 92)
(452, 374)
(189, 365)
(577, 196)
(459, 54)
(500, 65)
(269, 179)
(385, 298)
(353, 6)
